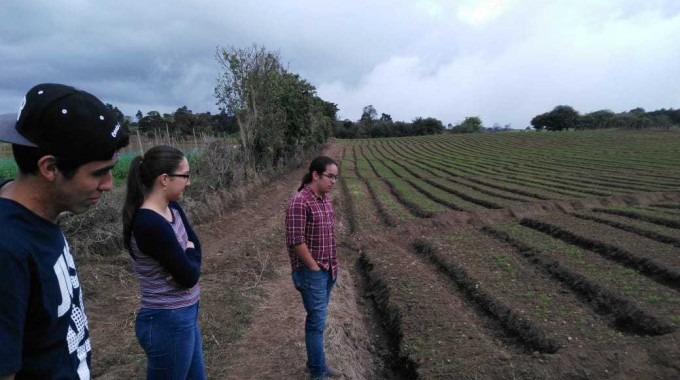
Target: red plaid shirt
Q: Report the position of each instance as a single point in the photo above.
(310, 219)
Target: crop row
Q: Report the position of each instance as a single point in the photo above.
(415, 187)
(524, 169)
(634, 162)
(461, 301)
(509, 292)
(628, 151)
(468, 169)
(661, 262)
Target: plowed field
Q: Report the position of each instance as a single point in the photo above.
(506, 256)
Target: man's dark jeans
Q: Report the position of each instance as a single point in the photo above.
(315, 288)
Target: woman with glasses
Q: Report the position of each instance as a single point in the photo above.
(166, 257)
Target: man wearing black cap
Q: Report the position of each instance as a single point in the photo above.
(65, 142)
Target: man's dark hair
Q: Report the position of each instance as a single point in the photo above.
(319, 166)
(27, 157)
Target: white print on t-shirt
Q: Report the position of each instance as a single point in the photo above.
(65, 270)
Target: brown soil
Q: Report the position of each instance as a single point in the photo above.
(394, 314)
(251, 316)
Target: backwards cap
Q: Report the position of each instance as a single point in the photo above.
(65, 122)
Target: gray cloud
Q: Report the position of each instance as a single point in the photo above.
(502, 60)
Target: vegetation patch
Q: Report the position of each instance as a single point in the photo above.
(646, 265)
(642, 215)
(532, 338)
(389, 208)
(584, 274)
(405, 196)
(650, 230)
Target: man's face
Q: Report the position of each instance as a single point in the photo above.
(85, 188)
(327, 179)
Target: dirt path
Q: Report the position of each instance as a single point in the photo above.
(272, 345)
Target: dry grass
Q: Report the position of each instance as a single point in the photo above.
(348, 341)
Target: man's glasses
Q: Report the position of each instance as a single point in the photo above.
(185, 176)
(332, 177)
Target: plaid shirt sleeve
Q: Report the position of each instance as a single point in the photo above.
(296, 220)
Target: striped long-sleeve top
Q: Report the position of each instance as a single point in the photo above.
(167, 270)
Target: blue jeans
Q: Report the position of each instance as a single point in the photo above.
(171, 340)
(315, 288)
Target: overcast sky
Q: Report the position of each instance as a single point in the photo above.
(502, 60)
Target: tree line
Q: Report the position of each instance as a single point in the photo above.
(370, 125)
(181, 123)
(565, 117)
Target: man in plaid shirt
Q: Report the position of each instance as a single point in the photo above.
(310, 237)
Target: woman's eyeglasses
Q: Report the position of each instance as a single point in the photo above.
(185, 176)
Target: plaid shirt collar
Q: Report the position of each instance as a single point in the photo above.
(313, 194)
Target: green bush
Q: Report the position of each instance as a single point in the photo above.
(8, 169)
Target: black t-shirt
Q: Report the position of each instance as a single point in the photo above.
(43, 326)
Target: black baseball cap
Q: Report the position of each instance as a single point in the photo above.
(65, 122)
